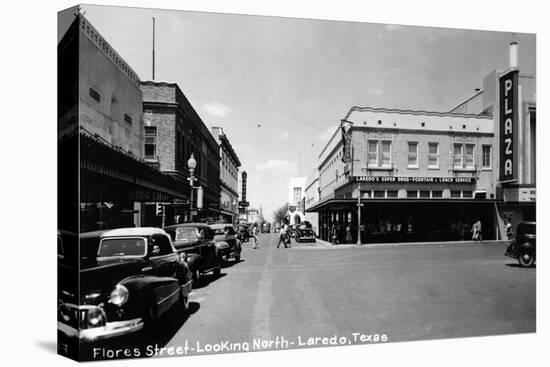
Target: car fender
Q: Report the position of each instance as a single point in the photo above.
(525, 246)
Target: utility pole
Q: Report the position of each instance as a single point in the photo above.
(359, 205)
(153, 48)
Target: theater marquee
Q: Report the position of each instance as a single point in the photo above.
(508, 120)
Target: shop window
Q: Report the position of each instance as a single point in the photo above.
(437, 194)
(433, 155)
(424, 194)
(150, 142)
(463, 156)
(379, 194)
(412, 194)
(455, 194)
(392, 193)
(413, 155)
(467, 194)
(486, 157)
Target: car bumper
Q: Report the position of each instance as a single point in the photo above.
(109, 330)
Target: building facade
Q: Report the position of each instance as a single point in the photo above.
(312, 193)
(416, 175)
(100, 135)
(229, 177)
(173, 132)
(296, 202)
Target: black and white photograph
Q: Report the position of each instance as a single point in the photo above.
(235, 183)
(266, 183)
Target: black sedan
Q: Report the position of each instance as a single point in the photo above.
(135, 277)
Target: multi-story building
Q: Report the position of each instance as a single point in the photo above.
(229, 177)
(173, 132)
(417, 176)
(516, 189)
(100, 135)
(311, 197)
(296, 195)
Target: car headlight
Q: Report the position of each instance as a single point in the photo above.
(119, 295)
(95, 317)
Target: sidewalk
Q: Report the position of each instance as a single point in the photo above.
(399, 244)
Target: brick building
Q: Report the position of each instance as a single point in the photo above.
(173, 131)
(229, 177)
(103, 180)
(419, 176)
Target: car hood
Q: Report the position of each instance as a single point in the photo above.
(97, 282)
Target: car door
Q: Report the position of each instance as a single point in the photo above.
(164, 262)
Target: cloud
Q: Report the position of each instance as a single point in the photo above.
(326, 134)
(217, 109)
(393, 27)
(376, 91)
(285, 135)
(277, 165)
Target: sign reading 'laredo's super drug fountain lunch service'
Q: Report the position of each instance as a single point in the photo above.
(508, 111)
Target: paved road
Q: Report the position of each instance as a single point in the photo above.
(406, 293)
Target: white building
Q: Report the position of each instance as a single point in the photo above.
(312, 196)
(296, 202)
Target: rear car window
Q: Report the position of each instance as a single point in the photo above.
(122, 247)
(186, 234)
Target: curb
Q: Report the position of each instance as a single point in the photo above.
(327, 244)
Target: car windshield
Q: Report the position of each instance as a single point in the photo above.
(132, 246)
(186, 234)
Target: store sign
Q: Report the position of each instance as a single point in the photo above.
(391, 179)
(527, 194)
(508, 117)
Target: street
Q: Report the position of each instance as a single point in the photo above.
(309, 291)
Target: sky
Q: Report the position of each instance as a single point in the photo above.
(280, 86)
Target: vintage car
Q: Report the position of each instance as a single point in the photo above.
(524, 246)
(266, 227)
(195, 243)
(135, 276)
(227, 242)
(242, 233)
(304, 233)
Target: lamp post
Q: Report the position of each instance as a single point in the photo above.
(359, 205)
(191, 164)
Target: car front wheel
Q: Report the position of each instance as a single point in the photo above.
(526, 258)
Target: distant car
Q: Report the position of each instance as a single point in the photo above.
(226, 240)
(524, 246)
(266, 228)
(135, 276)
(304, 233)
(195, 243)
(242, 233)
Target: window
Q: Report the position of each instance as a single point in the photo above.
(424, 194)
(386, 154)
(437, 194)
(365, 194)
(433, 155)
(455, 194)
(457, 156)
(463, 156)
(486, 157)
(379, 193)
(373, 154)
(297, 194)
(412, 194)
(95, 94)
(467, 194)
(128, 118)
(413, 155)
(150, 142)
(392, 193)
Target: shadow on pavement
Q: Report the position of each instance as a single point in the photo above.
(516, 265)
(206, 279)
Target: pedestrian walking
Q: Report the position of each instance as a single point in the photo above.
(479, 231)
(509, 228)
(348, 234)
(255, 236)
(283, 236)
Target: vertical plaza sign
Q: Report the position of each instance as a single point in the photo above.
(508, 120)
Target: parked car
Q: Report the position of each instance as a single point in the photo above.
(195, 243)
(242, 233)
(227, 242)
(292, 230)
(304, 233)
(524, 246)
(135, 277)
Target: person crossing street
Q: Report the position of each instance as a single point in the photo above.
(283, 237)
